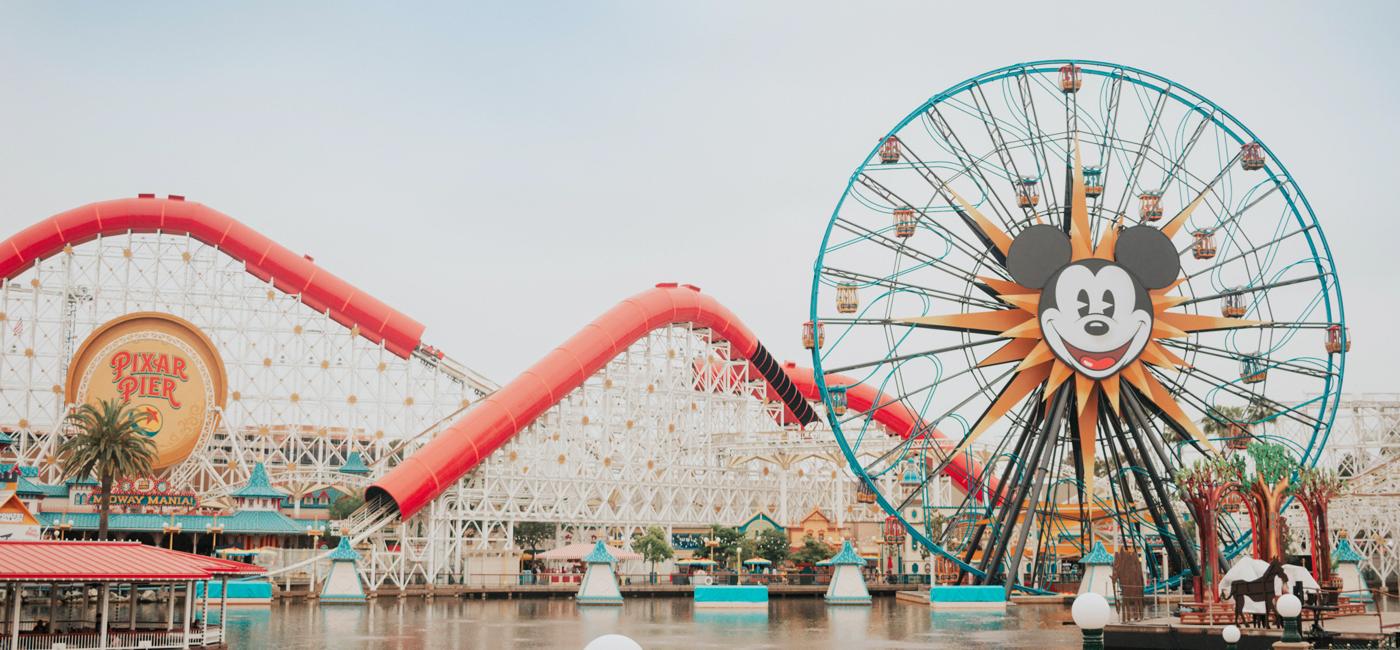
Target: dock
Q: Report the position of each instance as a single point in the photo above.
(1168, 632)
(567, 590)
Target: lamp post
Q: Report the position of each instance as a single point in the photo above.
(214, 529)
(1288, 608)
(1231, 636)
(1091, 612)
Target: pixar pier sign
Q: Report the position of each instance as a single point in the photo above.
(153, 375)
(167, 370)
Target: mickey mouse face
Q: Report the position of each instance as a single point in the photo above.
(1095, 315)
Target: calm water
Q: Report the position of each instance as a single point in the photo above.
(654, 622)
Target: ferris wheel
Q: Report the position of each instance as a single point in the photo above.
(1071, 275)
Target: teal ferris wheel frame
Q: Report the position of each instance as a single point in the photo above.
(1329, 369)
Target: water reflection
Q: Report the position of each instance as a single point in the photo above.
(808, 623)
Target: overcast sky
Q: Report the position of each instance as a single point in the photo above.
(506, 172)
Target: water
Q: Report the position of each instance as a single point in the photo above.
(656, 623)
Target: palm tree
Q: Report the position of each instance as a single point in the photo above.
(107, 443)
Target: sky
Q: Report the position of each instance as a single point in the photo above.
(505, 172)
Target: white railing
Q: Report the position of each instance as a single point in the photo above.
(91, 641)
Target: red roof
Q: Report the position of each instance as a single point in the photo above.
(109, 561)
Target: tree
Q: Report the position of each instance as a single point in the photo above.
(653, 546)
(812, 551)
(1265, 491)
(1315, 489)
(1203, 487)
(344, 506)
(106, 445)
(772, 544)
(727, 547)
(530, 535)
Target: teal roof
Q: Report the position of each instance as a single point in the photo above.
(1345, 553)
(6, 439)
(343, 552)
(27, 487)
(259, 487)
(354, 464)
(1097, 555)
(847, 555)
(599, 555)
(744, 528)
(243, 521)
(24, 470)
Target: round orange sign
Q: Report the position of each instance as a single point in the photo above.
(162, 365)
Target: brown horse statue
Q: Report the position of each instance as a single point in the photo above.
(1261, 588)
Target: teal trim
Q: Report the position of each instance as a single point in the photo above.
(744, 528)
(1097, 555)
(242, 522)
(245, 590)
(731, 594)
(354, 464)
(967, 594)
(343, 552)
(259, 486)
(847, 555)
(848, 600)
(600, 555)
(1345, 553)
(599, 600)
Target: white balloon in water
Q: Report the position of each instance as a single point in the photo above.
(612, 642)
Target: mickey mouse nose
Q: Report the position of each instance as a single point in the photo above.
(1096, 328)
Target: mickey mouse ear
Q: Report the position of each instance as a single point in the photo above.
(1148, 254)
(1036, 254)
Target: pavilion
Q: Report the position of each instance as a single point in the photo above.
(62, 574)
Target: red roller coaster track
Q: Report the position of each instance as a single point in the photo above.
(496, 419)
(262, 257)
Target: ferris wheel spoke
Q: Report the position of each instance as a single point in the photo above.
(1234, 389)
(1143, 147)
(879, 404)
(1222, 353)
(1256, 288)
(965, 158)
(865, 234)
(962, 245)
(1226, 260)
(993, 126)
(912, 355)
(900, 285)
(1038, 136)
(1179, 163)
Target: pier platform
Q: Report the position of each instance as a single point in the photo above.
(1169, 632)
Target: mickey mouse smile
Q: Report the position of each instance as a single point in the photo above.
(1098, 360)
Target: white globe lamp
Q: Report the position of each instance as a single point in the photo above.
(1288, 608)
(1091, 613)
(1231, 636)
(612, 642)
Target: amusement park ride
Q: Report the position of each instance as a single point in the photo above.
(1033, 293)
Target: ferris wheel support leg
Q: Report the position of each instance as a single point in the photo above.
(1136, 425)
(1144, 489)
(997, 497)
(1012, 510)
(1042, 470)
(1022, 447)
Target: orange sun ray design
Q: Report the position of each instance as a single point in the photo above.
(1039, 365)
